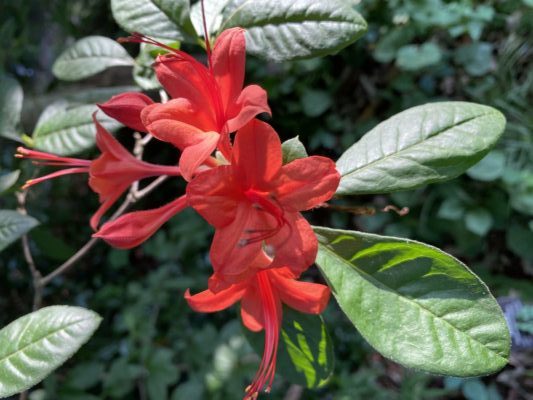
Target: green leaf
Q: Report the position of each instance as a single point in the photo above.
(85, 376)
(305, 354)
(315, 102)
(476, 58)
(519, 241)
(414, 303)
(213, 15)
(388, 45)
(66, 129)
(88, 56)
(8, 180)
(168, 19)
(489, 168)
(292, 150)
(479, 221)
(425, 144)
(162, 373)
(11, 96)
(414, 57)
(280, 30)
(36, 344)
(13, 225)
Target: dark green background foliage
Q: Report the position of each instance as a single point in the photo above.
(150, 345)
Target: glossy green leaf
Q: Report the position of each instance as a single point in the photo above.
(13, 225)
(66, 129)
(168, 19)
(36, 344)
(9, 179)
(292, 150)
(281, 30)
(414, 303)
(305, 354)
(425, 144)
(11, 96)
(88, 56)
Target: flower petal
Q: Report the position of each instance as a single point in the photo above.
(194, 156)
(257, 154)
(252, 309)
(295, 245)
(229, 56)
(132, 229)
(107, 203)
(307, 182)
(307, 297)
(126, 108)
(251, 102)
(177, 122)
(212, 195)
(188, 79)
(207, 301)
(107, 143)
(231, 256)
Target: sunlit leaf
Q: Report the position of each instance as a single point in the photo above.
(88, 56)
(425, 144)
(36, 344)
(68, 129)
(415, 304)
(281, 30)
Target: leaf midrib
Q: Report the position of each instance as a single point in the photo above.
(395, 154)
(406, 299)
(3, 359)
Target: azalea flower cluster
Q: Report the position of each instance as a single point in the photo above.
(239, 184)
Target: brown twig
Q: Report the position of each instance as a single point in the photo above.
(35, 273)
(134, 194)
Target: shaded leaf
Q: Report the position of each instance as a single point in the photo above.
(8, 180)
(479, 221)
(490, 168)
(425, 144)
(11, 97)
(414, 57)
(280, 30)
(36, 344)
(13, 225)
(414, 303)
(305, 354)
(88, 56)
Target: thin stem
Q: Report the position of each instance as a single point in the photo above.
(35, 273)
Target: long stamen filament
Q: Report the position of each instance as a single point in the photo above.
(267, 369)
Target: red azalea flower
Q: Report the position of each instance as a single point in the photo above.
(208, 102)
(126, 108)
(261, 299)
(132, 229)
(110, 175)
(255, 203)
